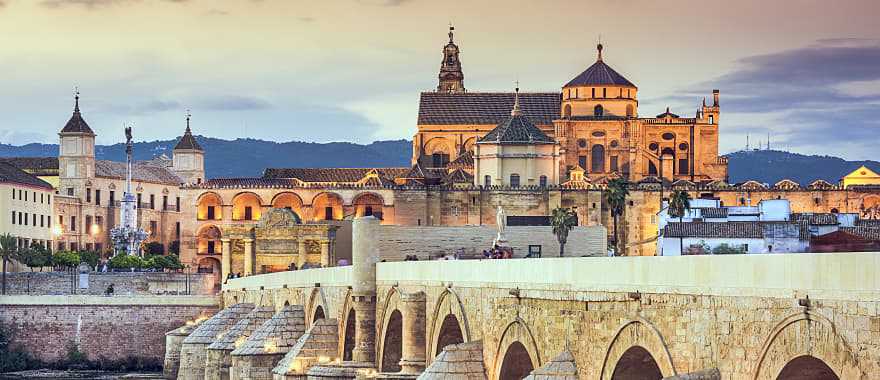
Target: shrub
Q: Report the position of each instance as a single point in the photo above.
(725, 249)
(65, 259)
(123, 261)
(90, 257)
(13, 358)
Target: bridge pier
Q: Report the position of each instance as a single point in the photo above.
(365, 255)
(173, 342)
(218, 358)
(193, 352)
(413, 359)
(258, 355)
(317, 346)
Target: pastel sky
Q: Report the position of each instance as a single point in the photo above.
(806, 72)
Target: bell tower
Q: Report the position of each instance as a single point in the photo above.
(189, 157)
(451, 76)
(76, 158)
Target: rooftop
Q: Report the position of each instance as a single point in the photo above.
(11, 174)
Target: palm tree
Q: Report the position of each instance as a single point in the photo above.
(562, 220)
(615, 195)
(9, 250)
(679, 204)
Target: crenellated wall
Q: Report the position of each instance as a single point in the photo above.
(749, 316)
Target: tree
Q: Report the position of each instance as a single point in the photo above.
(9, 251)
(562, 220)
(66, 260)
(90, 257)
(679, 204)
(35, 257)
(615, 195)
(154, 248)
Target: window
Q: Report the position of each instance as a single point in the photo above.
(177, 204)
(20, 220)
(604, 92)
(582, 162)
(598, 111)
(668, 136)
(70, 191)
(597, 158)
(711, 119)
(154, 228)
(13, 193)
(164, 203)
(439, 160)
(328, 213)
(97, 197)
(487, 181)
(368, 211)
(614, 164)
(210, 247)
(542, 181)
(139, 200)
(683, 166)
(73, 246)
(152, 202)
(210, 212)
(567, 112)
(42, 221)
(88, 195)
(60, 245)
(61, 220)
(112, 198)
(594, 93)
(13, 217)
(582, 143)
(34, 220)
(514, 180)
(25, 196)
(48, 198)
(248, 213)
(73, 223)
(177, 230)
(652, 169)
(88, 223)
(683, 146)
(99, 221)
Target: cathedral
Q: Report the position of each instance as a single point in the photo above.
(593, 121)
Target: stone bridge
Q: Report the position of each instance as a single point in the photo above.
(794, 316)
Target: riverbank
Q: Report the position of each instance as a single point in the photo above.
(78, 375)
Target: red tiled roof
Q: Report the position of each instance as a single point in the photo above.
(12, 174)
(345, 175)
(486, 107)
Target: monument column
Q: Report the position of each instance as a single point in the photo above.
(412, 360)
(225, 259)
(248, 256)
(364, 257)
(301, 256)
(325, 253)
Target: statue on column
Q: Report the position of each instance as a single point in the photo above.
(501, 224)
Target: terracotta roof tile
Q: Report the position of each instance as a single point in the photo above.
(599, 74)
(486, 107)
(141, 171)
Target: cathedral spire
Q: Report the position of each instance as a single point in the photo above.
(516, 111)
(599, 48)
(451, 29)
(76, 100)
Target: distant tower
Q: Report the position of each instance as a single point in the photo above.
(451, 76)
(711, 113)
(189, 157)
(76, 158)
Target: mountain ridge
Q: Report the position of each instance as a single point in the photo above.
(247, 157)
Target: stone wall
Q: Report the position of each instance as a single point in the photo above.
(109, 327)
(137, 283)
(396, 242)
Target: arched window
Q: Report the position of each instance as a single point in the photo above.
(514, 180)
(597, 159)
(652, 169)
(711, 119)
(598, 111)
(567, 111)
(487, 181)
(542, 181)
(439, 160)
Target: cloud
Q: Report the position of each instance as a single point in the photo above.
(385, 3)
(233, 103)
(217, 12)
(94, 4)
(821, 95)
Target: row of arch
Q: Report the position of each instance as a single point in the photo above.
(636, 351)
(325, 205)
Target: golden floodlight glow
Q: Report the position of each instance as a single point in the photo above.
(239, 341)
(270, 346)
(323, 359)
(95, 229)
(56, 230)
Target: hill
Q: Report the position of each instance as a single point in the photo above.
(248, 158)
(771, 166)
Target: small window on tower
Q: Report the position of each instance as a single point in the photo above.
(711, 119)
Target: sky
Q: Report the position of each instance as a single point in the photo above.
(805, 72)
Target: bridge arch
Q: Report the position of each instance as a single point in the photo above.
(442, 329)
(517, 344)
(633, 341)
(316, 308)
(390, 337)
(347, 328)
(806, 340)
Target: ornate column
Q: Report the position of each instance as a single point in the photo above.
(364, 257)
(301, 256)
(225, 259)
(325, 253)
(412, 360)
(248, 256)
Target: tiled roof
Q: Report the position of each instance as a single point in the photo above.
(457, 361)
(667, 113)
(322, 339)
(251, 182)
(77, 124)
(736, 230)
(458, 176)
(243, 328)
(12, 174)
(33, 163)
(486, 107)
(713, 212)
(516, 130)
(562, 367)
(464, 160)
(868, 222)
(141, 171)
(350, 175)
(815, 219)
(187, 141)
(599, 74)
(869, 233)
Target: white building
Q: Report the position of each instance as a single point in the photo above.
(26, 206)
